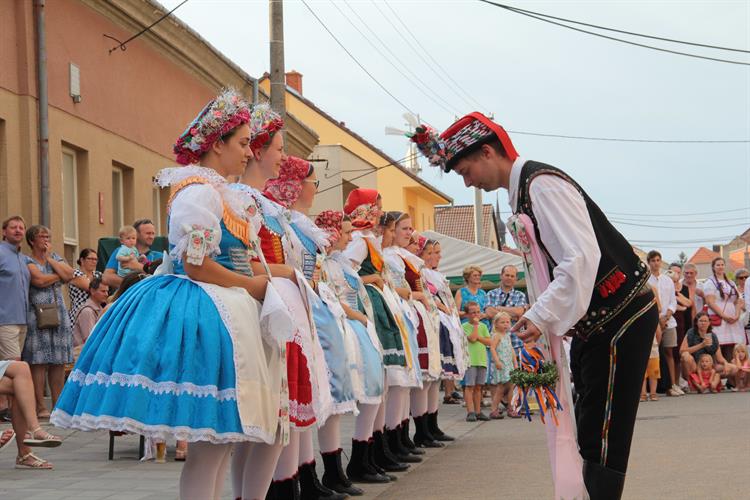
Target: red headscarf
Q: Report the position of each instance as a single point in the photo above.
(361, 207)
(330, 221)
(287, 186)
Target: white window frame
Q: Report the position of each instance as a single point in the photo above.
(118, 199)
(66, 239)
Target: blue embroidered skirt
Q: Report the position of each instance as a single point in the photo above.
(371, 370)
(159, 363)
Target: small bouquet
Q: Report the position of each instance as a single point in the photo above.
(535, 377)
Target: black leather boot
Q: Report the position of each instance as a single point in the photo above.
(287, 489)
(310, 487)
(383, 456)
(359, 469)
(398, 448)
(601, 482)
(406, 440)
(334, 477)
(422, 436)
(432, 421)
(373, 463)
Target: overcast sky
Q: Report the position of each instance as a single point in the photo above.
(536, 77)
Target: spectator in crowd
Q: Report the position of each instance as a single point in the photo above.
(506, 298)
(668, 324)
(699, 340)
(743, 287)
(683, 316)
(705, 378)
(504, 360)
(725, 306)
(653, 370)
(15, 382)
(473, 292)
(742, 376)
(47, 350)
(476, 373)
(145, 235)
(14, 289)
(690, 273)
(127, 253)
(78, 288)
(129, 281)
(89, 314)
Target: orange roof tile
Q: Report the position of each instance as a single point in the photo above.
(703, 256)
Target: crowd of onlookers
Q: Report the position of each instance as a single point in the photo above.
(41, 333)
(700, 344)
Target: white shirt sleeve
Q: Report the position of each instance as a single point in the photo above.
(356, 251)
(566, 231)
(747, 295)
(195, 223)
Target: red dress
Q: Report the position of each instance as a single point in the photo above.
(415, 283)
(298, 374)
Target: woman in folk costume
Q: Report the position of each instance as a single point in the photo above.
(364, 208)
(180, 355)
(295, 188)
(369, 371)
(397, 231)
(586, 281)
(452, 339)
(428, 337)
(309, 393)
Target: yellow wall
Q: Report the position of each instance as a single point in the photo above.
(398, 189)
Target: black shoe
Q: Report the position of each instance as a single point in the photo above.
(360, 470)
(310, 486)
(601, 482)
(373, 463)
(432, 423)
(422, 436)
(398, 448)
(385, 459)
(406, 440)
(334, 477)
(287, 489)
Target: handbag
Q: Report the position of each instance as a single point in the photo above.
(47, 315)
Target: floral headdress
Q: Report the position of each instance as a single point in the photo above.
(226, 112)
(263, 123)
(361, 207)
(330, 221)
(286, 188)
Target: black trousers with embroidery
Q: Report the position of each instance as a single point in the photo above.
(608, 371)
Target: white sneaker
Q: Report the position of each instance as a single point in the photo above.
(683, 385)
(676, 388)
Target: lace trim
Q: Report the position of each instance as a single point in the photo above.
(174, 175)
(178, 389)
(301, 412)
(423, 350)
(309, 229)
(88, 422)
(370, 400)
(393, 352)
(345, 407)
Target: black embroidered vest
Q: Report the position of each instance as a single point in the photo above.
(621, 274)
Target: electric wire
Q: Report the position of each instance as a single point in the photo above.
(123, 45)
(628, 42)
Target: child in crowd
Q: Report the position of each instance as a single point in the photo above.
(127, 252)
(479, 339)
(706, 378)
(740, 360)
(653, 369)
(504, 359)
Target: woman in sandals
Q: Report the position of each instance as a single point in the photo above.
(15, 381)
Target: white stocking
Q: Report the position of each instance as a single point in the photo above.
(394, 406)
(329, 436)
(306, 453)
(418, 400)
(365, 421)
(380, 417)
(286, 467)
(221, 473)
(200, 475)
(239, 458)
(259, 466)
(433, 397)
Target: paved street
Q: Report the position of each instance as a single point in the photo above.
(689, 447)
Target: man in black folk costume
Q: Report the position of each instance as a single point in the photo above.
(597, 294)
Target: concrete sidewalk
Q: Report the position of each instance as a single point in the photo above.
(688, 447)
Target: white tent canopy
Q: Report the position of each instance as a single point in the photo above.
(457, 254)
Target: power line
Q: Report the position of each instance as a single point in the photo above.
(616, 139)
(653, 37)
(419, 86)
(370, 171)
(123, 45)
(704, 240)
(681, 214)
(676, 227)
(445, 73)
(356, 61)
(731, 219)
(515, 11)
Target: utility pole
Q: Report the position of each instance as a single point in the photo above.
(278, 76)
(478, 217)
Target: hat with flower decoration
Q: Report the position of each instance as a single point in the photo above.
(361, 207)
(264, 122)
(223, 114)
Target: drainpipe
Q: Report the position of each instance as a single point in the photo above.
(41, 75)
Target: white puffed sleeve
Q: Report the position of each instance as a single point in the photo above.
(195, 223)
(356, 251)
